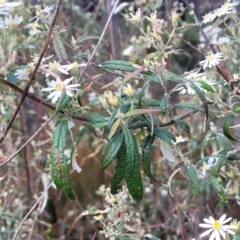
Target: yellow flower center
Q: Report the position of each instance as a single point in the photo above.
(54, 66)
(12, 23)
(207, 16)
(74, 65)
(209, 57)
(128, 90)
(113, 101)
(226, 4)
(100, 217)
(235, 224)
(175, 17)
(204, 167)
(217, 225)
(58, 87)
(235, 76)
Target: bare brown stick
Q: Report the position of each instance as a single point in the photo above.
(41, 100)
(28, 141)
(99, 41)
(34, 71)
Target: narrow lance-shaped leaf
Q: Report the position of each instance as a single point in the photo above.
(218, 188)
(226, 129)
(183, 125)
(146, 158)
(132, 170)
(118, 65)
(119, 173)
(192, 174)
(59, 166)
(112, 151)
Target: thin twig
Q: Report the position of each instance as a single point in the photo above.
(28, 141)
(99, 41)
(48, 38)
(30, 211)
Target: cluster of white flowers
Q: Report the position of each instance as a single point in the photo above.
(194, 76)
(226, 8)
(218, 228)
(8, 21)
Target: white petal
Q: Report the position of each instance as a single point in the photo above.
(75, 165)
(210, 220)
(72, 86)
(57, 95)
(62, 70)
(227, 220)
(52, 94)
(206, 233)
(52, 83)
(48, 89)
(205, 225)
(67, 81)
(69, 93)
(221, 219)
(215, 235)
(223, 234)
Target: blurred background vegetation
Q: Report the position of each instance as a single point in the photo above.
(21, 181)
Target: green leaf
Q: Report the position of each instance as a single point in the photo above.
(59, 47)
(114, 127)
(223, 142)
(141, 111)
(167, 151)
(218, 188)
(151, 102)
(11, 77)
(165, 135)
(63, 101)
(146, 157)
(236, 109)
(132, 170)
(118, 65)
(233, 155)
(205, 141)
(183, 125)
(80, 134)
(192, 174)
(98, 120)
(115, 146)
(226, 127)
(190, 106)
(206, 86)
(200, 94)
(59, 166)
(119, 173)
(164, 104)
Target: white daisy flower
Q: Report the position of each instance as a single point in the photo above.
(58, 87)
(24, 73)
(223, 10)
(5, 7)
(180, 139)
(56, 67)
(216, 227)
(211, 60)
(231, 3)
(4, 3)
(135, 17)
(39, 11)
(208, 17)
(73, 66)
(152, 18)
(11, 22)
